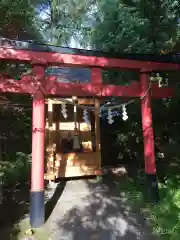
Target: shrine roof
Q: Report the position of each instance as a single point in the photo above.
(40, 47)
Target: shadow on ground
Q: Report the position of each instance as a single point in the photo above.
(90, 209)
(51, 202)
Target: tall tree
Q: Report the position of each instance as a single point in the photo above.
(18, 21)
(59, 20)
(133, 26)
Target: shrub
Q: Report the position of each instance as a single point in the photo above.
(164, 217)
(15, 171)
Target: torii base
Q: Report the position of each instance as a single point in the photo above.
(152, 188)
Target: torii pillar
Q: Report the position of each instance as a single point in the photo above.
(148, 134)
(37, 208)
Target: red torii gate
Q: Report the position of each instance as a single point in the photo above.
(40, 86)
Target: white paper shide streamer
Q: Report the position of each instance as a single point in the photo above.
(64, 110)
(110, 117)
(124, 113)
(86, 117)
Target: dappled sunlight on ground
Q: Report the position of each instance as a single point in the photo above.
(88, 209)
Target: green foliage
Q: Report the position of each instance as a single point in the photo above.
(17, 20)
(16, 170)
(164, 217)
(59, 20)
(16, 115)
(132, 26)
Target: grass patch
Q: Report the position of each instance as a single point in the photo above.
(23, 231)
(14, 204)
(163, 217)
(14, 193)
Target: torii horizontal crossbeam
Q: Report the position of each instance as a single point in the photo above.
(34, 46)
(84, 61)
(50, 87)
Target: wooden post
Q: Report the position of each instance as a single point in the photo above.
(57, 137)
(51, 152)
(149, 152)
(37, 171)
(96, 78)
(97, 134)
(75, 100)
(97, 124)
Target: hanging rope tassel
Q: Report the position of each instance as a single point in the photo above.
(76, 140)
